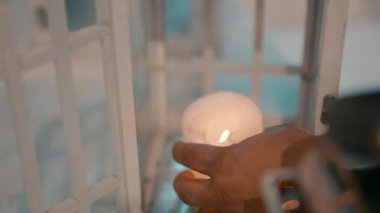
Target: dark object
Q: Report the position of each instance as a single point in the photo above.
(42, 16)
(328, 103)
(80, 13)
(355, 128)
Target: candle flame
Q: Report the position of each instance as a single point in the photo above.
(224, 136)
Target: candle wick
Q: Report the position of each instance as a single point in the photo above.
(224, 136)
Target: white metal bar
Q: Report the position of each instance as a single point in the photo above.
(69, 205)
(87, 36)
(16, 95)
(104, 188)
(176, 64)
(2, 71)
(66, 89)
(150, 174)
(310, 58)
(157, 64)
(208, 46)
(40, 55)
(113, 119)
(327, 81)
(257, 50)
(102, 11)
(37, 56)
(100, 189)
(110, 81)
(121, 38)
(157, 83)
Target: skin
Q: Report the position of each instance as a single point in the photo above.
(235, 171)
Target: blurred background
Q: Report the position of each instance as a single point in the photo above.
(234, 24)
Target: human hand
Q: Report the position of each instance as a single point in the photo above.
(234, 171)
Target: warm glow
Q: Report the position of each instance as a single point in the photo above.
(224, 136)
(290, 205)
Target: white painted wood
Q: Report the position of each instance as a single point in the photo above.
(16, 94)
(121, 38)
(68, 105)
(257, 49)
(328, 76)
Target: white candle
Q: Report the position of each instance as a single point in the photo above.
(221, 119)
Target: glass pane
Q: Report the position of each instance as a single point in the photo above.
(46, 123)
(105, 204)
(235, 82)
(12, 194)
(95, 132)
(165, 198)
(178, 16)
(234, 31)
(183, 27)
(183, 88)
(80, 13)
(280, 95)
(284, 32)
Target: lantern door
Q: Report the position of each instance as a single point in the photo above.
(68, 135)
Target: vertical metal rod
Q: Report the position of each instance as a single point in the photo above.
(157, 62)
(102, 11)
(327, 81)
(208, 45)
(259, 8)
(111, 99)
(310, 60)
(126, 106)
(68, 104)
(157, 89)
(110, 79)
(16, 94)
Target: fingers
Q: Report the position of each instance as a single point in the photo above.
(198, 157)
(194, 192)
(296, 152)
(284, 133)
